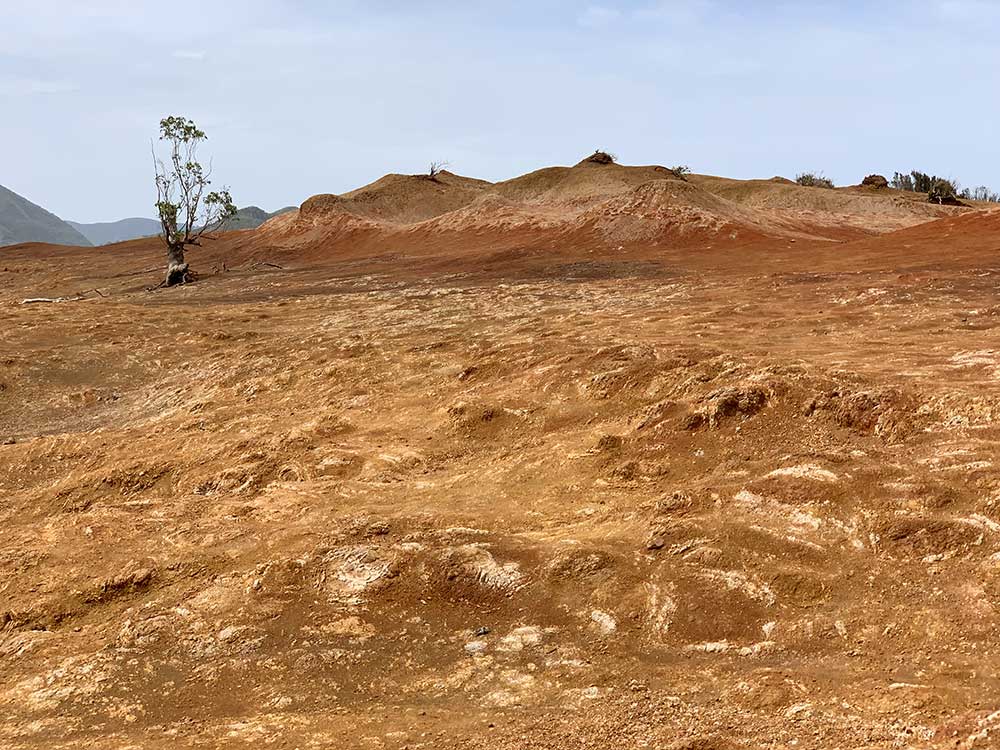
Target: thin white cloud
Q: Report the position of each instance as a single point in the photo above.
(968, 9)
(596, 17)
(675, 11)
(430, 79)
(31, 86)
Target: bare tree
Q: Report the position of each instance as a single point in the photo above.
(188, 211)
(437, 167)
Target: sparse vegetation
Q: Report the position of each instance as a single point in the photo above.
(877, 181)
(602, 157)
(812, 179)
(436, 168)
(902, 181)
(186, 209)
(981, 193)
(941, 190)
(921, 182)
(680, 172)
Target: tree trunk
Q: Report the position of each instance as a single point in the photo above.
(177, 267)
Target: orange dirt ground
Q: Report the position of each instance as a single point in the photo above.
(593, 458)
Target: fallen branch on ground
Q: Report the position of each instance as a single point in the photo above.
(74, 298)
(34, 300)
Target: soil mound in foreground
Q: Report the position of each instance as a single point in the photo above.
(642, 498)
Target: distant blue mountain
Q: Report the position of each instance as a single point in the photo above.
(104, 233)
(23, 221)
(252, 217)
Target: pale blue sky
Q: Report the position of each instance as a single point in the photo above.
(301, 96)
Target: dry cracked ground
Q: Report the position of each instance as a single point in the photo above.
(653, 509)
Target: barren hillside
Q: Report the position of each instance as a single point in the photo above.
(591, 458)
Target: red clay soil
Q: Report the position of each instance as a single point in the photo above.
(585, 462)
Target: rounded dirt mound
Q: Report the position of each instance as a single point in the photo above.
(407, 199)
(324, 203)
(876, 181)
(586, 182)
(492, 211)
(826, 213)
(595, 206)
(669, 208)
(399, 198)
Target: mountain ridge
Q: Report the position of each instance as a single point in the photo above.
(123, 230)
(24, 221)
(108, 232)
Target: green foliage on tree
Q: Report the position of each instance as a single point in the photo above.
(921, 182)
(187, 208)
(942, 192)
(940, 189)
